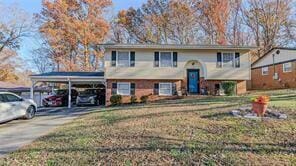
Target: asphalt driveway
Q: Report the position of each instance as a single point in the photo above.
(18, 133)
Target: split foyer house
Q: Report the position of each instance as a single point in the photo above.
(165, 71)
(275, 70)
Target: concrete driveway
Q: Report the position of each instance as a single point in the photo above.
(18, 133)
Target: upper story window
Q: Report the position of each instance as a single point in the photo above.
(123, 59)
(228, 59)
(264, 71)
(287, 67)
(166, 59)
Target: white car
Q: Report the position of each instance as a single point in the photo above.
(14, 107)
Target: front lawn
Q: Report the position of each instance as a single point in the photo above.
(186, 131)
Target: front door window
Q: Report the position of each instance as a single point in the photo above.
(193, 81)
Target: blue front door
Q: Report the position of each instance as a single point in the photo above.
(193, 81)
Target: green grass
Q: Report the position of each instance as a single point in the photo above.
(190, 131)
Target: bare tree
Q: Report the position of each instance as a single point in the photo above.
(269, 21)
(16, 25)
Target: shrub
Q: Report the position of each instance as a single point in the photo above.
(116, 100)
(144, 99)
(133, 99)
(229, 87)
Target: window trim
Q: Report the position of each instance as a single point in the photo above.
(129, 87)
(171, 89)
(284, 69)
(262, 72)
(129, 58)
(172, 59)
(233, 59)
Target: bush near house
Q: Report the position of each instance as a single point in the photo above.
(116, 100)
(144, 99)
(229, 87)
(133, 99)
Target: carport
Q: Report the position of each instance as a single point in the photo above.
(70, 78)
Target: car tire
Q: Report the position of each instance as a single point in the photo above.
(96, 103)
(30, 113)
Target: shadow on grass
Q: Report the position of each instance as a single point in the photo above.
(115, 119)
(180, 103)
(217, 115)
(169, 144)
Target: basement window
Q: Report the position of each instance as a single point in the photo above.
(287, 67)
(165, 89)
(123, 88)
(264, 71)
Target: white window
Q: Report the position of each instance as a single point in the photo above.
(123, 88)
(166, 59)
(228, 59)
(165, 89)
(123, 59)
(287, 67)
(264, 71)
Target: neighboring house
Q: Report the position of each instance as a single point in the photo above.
(165, 71)
(275, 70)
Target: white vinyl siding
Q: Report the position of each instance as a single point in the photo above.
(228, 59)
(166, 59)
(196, 59)
(264, 71)
(123, 59)
(165, 89)
(123, 88)
(287, 67)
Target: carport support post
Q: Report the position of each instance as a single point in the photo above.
(69, 96)
(32, 90)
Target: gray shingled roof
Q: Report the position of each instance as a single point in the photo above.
(71, 74)
(176, 46)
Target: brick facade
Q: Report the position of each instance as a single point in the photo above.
(210, 86)
(146, 88)
(286, 80)
(143, 88)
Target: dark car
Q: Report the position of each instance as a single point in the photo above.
(60, 98)
(91, 97)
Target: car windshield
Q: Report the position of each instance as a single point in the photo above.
(89, 92)
(61, 92)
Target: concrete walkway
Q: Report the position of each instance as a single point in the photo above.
(18, 133)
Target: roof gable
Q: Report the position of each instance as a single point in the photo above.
(285, 54)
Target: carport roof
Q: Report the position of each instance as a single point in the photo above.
(74, 77)
(71, 74)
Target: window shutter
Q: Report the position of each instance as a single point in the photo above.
(132, 59)
(175, 59)
(237, 59)
(156, 89)
(114, 89)
(113, 61)
(156, 59)
(133, 88)
(174, 89)
(219, 60)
